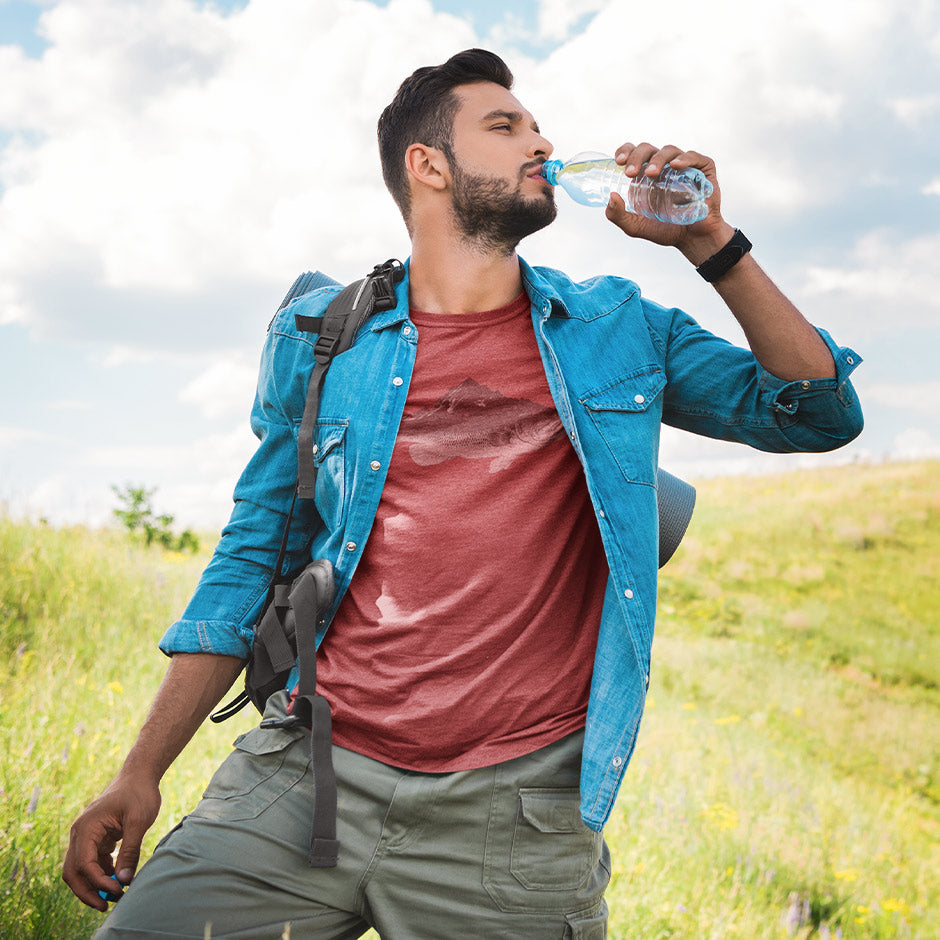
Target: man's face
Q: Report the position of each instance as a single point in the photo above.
(499, 195)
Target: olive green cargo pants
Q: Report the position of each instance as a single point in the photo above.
(500, 852)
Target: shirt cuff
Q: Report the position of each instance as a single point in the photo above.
(829, 404)
(205, 636)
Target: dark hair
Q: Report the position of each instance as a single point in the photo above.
(423, 110)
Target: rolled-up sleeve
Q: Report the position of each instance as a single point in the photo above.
(720, 390)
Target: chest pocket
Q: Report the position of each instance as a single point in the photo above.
(627, 416)
(329, 457)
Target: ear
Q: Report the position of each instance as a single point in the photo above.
(427, 166)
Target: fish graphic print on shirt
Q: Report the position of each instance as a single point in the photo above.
(477, 423)
(467, 635)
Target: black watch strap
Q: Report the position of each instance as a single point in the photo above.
(723, 260)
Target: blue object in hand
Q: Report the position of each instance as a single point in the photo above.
(112, 895)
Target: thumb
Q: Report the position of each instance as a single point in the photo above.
(125, 865)
(128, 856)
(617, 213)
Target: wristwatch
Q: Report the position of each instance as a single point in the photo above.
(723, 260)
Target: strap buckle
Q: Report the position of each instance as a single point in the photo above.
(384, 277)
(323, 348)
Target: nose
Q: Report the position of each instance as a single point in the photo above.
(540, 146)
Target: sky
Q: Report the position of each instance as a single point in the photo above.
(167, 167)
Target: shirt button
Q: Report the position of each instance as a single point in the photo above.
(628, 594)
(407, 331)
(375, 465)
(639, 399)
(804, 384)
(617, 761)
(601, 514)
(350, 546)
(316, 447)
(397, 380)
(850, 360)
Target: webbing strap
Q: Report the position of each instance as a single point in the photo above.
(332, 327)
(306, 600)
(306, 466)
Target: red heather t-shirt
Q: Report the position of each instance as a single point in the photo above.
(468, 633)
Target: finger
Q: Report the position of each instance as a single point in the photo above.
(660, 158)
(632, 158)
(692, 158)
(623, 151)
(81, 870)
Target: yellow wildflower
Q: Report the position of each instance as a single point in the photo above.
(894, 904)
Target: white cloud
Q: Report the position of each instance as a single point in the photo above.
(916, 444)
(912, 397)
(194, 480)
(885, 269)
(915, 108)
(557, 18)
(162, 147)
(10, 436)
(932, 188)
(224, 388)
(690, 456)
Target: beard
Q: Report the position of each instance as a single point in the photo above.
(490, 213)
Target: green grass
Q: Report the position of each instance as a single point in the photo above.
(787, 778)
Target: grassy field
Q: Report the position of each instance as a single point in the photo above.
(787, 778)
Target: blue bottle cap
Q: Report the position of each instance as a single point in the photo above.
(112, 895)
(550, 170)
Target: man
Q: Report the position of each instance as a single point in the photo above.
(487, 456)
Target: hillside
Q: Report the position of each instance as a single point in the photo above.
(787, 778)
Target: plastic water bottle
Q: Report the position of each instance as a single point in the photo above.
(676, 196)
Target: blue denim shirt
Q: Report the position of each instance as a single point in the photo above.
(618, 366)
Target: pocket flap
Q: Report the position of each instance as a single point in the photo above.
(632, 394)
(329, 437)
(266, 740)
(552, 810)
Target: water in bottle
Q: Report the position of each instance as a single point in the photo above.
(676, 196)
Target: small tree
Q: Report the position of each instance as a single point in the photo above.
(136, 515)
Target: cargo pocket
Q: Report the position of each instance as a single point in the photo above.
(627, 415)
(547, 860)
(587, 926)
(265, 764)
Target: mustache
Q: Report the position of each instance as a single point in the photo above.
(530, 166)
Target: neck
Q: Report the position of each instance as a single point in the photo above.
(451, 275)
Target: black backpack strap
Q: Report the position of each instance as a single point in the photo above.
(337, 329)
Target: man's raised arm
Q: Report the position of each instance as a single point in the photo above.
(780, 337)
